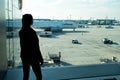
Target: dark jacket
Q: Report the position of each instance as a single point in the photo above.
(29, 44)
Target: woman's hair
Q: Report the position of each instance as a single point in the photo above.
(27, 20)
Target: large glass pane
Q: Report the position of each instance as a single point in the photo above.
(70, 32)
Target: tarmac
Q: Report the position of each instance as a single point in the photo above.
(89, 50)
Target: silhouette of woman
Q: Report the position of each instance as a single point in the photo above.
(30, 50)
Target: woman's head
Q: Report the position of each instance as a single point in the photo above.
(27, 20)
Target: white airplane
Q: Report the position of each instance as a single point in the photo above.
(55, 25)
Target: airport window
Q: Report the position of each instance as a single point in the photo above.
(70, 32)
(13, 23)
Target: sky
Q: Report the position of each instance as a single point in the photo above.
(72, 9)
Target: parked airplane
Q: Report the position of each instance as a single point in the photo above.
(53, 25)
